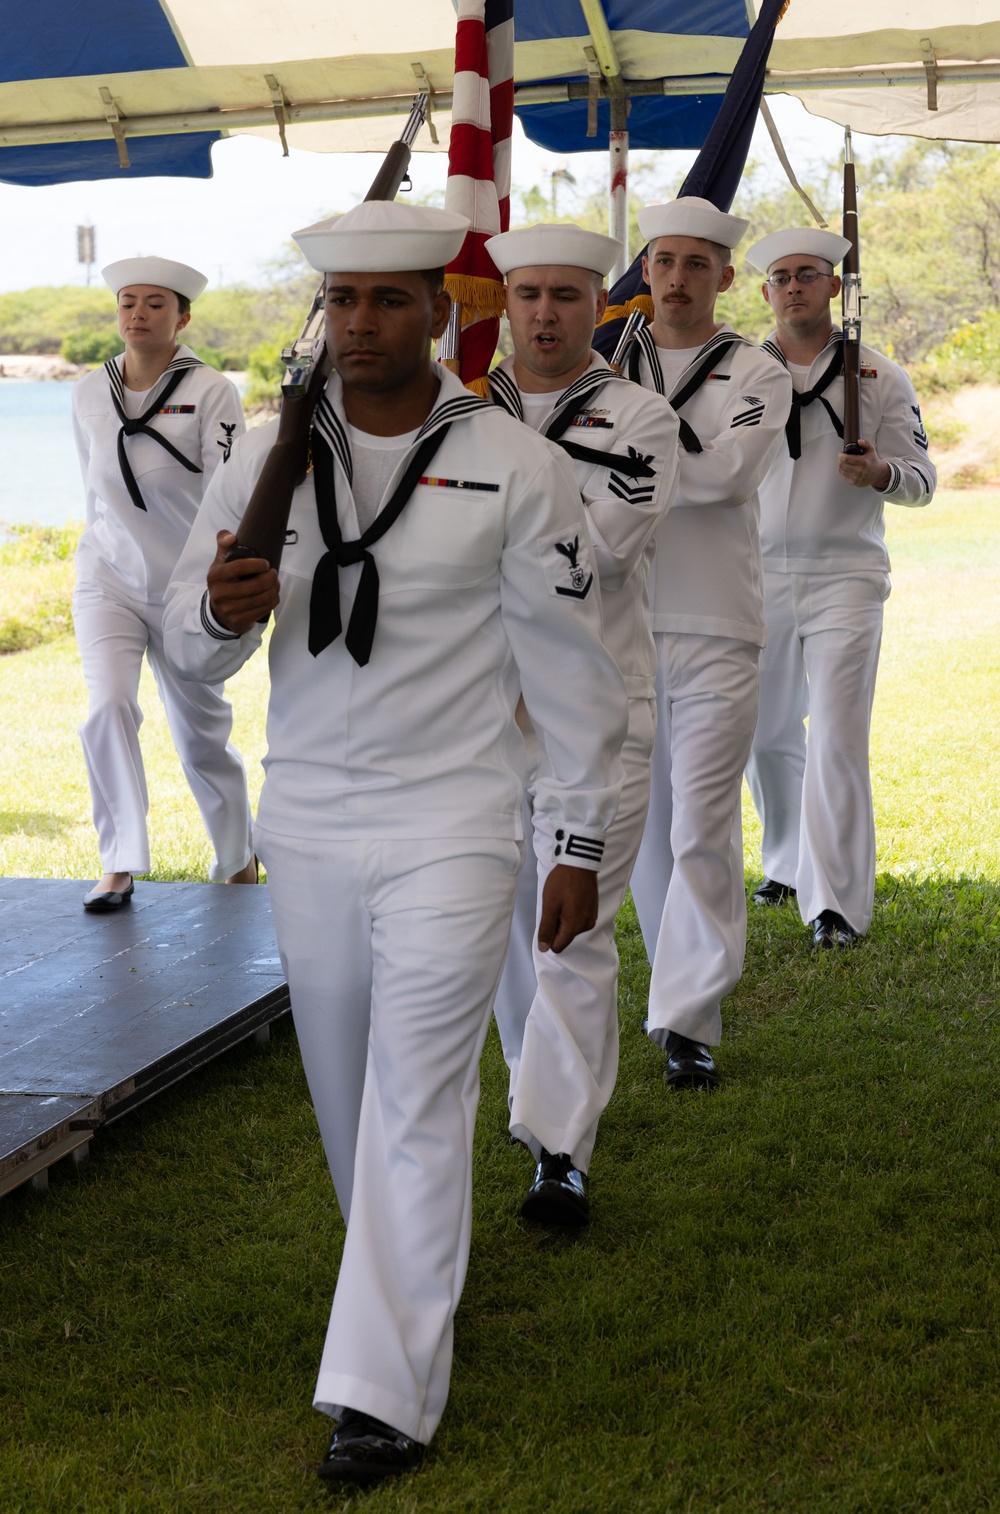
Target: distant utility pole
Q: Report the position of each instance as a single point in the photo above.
(564, 176)
(85, 248)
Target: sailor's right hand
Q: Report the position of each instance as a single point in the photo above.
(242, 592)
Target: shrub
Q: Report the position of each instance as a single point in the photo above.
(265, 374)
(33, 545)
(91, 346)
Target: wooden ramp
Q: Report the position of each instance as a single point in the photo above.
(100, 1012)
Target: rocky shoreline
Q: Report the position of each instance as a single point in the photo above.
(26, 366)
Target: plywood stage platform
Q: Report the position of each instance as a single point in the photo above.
(99, 1012)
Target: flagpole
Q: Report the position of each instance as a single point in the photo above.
(606, 57)
(618, 180)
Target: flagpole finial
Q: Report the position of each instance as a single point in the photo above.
(848, 151)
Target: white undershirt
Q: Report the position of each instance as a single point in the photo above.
(536, 408)
(136, 401)
(799, 373)
(375, 461)
(673, 361)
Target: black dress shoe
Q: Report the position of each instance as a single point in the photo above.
(364, 1450)
(557, 1195)
(772, 892)
(110, 900)
(689, 1064)
(831, 930)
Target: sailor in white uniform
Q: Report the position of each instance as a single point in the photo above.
(151, 428)
(558, 1015)
(826, 578)
(708, 623)
(437, 565)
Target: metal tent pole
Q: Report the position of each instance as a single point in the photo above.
(607, 59)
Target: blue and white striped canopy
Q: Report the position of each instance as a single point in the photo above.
(88, 84)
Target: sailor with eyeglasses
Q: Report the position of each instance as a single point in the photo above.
(826, 578)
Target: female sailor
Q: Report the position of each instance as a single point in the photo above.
(151, 427)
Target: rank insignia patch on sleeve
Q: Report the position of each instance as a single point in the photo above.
(226, 440)
(752, 415)
(567, 568)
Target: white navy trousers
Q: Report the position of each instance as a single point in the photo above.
(558, 1014)
(813, 795)
(393, 950)
(113, 633)
(688, 883)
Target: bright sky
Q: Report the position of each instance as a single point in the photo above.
(240, 220)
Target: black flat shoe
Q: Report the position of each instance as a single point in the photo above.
(365, 1450)
(772, 892)
(557, 1196)
(831, 931)
(689, 1064)
(110, 900)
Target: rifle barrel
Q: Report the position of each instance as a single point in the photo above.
(261, 532)
(851, 306)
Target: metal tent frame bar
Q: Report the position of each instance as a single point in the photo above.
(98, 129)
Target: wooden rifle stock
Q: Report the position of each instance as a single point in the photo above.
(261, 532)
(851, 297)
(392, 173)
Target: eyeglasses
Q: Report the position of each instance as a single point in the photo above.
(781, 279)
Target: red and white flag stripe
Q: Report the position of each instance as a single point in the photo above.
(479, 161)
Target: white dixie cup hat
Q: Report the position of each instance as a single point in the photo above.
(691, 217)
(384, 236)
(160, 273)
(802, 241)
(563, 246)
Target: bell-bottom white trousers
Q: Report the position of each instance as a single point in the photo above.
(393, 951)
(813, 794)
(113, 633)
(558, 1014)
(688, 882)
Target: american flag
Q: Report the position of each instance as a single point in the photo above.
(479, 172)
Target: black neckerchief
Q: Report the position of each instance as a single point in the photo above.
(793, 426)
(140, 424)
(574, 401)
(720, 345)
(324, 602)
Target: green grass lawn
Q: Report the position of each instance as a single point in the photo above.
(788, 1297)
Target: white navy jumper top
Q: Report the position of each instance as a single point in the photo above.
(476, 600)
(708, 578)
(126, 548)
(615, 424)
(811, 519)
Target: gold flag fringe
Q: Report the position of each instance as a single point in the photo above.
(480, 386)
(478, 298)
(643, 302)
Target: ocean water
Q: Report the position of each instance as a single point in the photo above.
(39, 471)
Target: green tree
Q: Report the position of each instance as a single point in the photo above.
(90, 346)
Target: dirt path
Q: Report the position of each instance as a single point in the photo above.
(974, 458)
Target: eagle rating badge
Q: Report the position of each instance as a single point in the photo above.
(568, 570)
